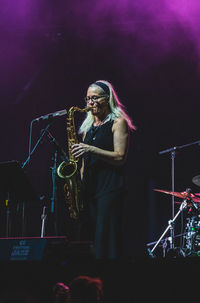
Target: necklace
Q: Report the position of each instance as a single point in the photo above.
(95, 128)
(103, 121)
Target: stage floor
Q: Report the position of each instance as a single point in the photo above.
(137, 279)
(124, 281)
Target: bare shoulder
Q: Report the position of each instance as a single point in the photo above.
(120, 124)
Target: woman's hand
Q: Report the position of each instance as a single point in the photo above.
(120, 145)
(80, 149)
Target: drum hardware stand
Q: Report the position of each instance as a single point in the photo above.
(170, 227)
(163, 244)
(172, 151)
(164, 247)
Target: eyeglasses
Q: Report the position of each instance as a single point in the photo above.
(94, 98)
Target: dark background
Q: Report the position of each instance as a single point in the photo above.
(51, 51)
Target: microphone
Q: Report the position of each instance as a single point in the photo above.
(51, 115)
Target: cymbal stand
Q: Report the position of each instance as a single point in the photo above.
(173, 154)
(172, 151)
(169, 227)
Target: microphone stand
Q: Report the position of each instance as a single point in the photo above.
(36, 145)
(43, 218)
(24, 165)
(54, 192)
(63, 155)
(58, 147)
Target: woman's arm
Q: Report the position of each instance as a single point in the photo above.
(120, 140)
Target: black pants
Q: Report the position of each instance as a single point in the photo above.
(105, 213)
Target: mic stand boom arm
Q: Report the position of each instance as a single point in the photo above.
(36, 145)
(58, 147)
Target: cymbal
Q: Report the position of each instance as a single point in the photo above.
(182, 195)
(196, 180)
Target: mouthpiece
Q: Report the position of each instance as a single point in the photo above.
(89, 108)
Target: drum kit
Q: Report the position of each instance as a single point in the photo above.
(190, 237)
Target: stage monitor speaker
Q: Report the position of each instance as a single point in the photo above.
(31, 248)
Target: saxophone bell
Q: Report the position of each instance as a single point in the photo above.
(67, 169)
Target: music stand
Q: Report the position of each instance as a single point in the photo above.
(15, 187)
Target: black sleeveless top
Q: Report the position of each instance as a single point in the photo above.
(99, 176)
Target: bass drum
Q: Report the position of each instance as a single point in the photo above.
(191, 237)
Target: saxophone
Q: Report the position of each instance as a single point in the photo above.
(69, 171)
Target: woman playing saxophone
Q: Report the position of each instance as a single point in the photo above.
(105, 131)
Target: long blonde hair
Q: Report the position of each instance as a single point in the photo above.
(116, 107)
